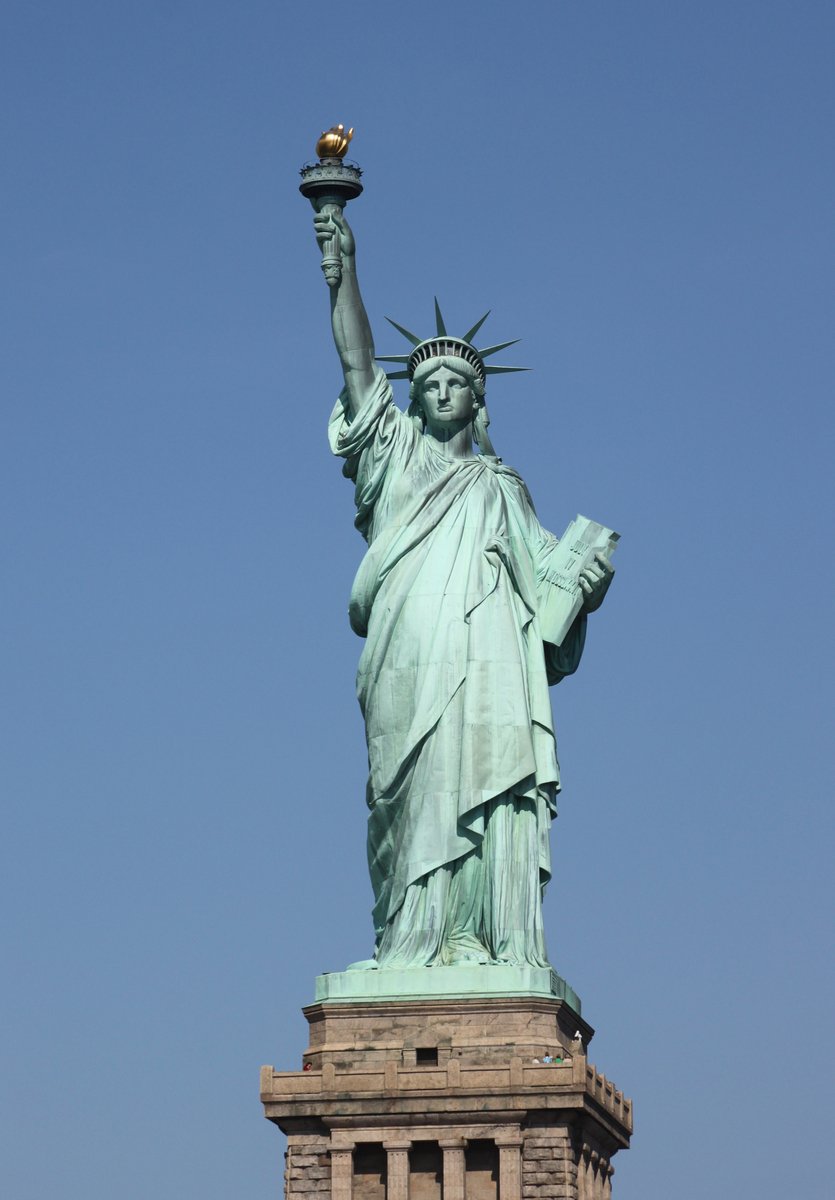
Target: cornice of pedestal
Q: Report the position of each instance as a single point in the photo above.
(403, 1096)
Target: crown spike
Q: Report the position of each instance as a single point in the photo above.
(495, 349)
(439, 320)
(397, 374)
(470, 334)
(401, 358)
(504, 370)
(410, 337)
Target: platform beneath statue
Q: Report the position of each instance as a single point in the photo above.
(433, 983)
(485, 1097)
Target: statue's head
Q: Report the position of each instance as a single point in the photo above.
(456, 355)
(445, 391)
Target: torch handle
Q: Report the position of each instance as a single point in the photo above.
(331, 256)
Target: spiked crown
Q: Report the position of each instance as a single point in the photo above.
(445, 344)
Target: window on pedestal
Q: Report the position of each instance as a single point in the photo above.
(482, 1162)
(426, 1056)
(426, 1171)
(369, 1172)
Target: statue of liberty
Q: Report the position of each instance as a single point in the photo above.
(454, 675)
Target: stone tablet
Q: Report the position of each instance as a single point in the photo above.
(558, 575)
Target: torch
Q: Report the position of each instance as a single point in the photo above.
(329, 184)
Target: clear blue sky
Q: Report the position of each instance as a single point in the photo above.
(644, 192)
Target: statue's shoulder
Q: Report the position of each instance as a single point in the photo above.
(512, 484)
(509, 475)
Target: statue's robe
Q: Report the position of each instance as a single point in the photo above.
(453, 685)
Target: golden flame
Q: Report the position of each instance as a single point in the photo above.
(334, 142)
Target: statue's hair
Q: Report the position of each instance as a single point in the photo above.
(461, 367)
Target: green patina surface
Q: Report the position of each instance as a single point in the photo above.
(452, 601)
(418, 983)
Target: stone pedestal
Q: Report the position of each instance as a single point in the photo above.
(447, 1099)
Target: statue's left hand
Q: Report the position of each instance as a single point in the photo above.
(594, 580)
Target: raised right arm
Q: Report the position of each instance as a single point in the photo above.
(351, 330)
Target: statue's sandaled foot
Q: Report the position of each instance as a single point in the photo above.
(511, 961)
(365, 964)
(466, 953)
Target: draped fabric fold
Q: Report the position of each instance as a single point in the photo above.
(453, 685)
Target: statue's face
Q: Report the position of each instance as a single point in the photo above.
(447, 399)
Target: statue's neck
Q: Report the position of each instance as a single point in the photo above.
(453, 442)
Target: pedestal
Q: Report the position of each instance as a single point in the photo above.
(447, 1099)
